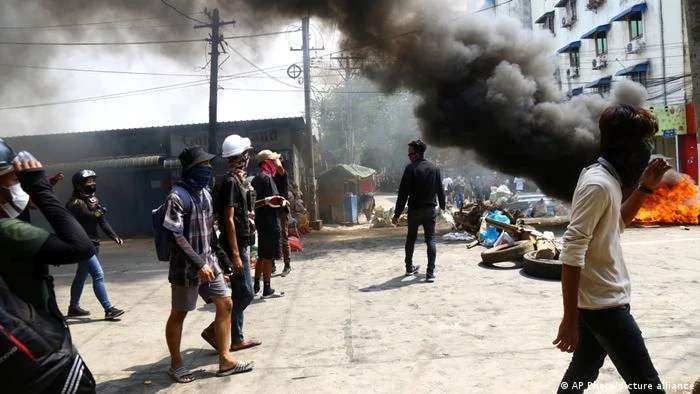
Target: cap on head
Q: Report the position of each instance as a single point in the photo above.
(192, 156)
(267, 155)
(235, 145)
(6, 157)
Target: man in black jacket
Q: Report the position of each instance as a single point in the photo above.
(25, 254)
(421, 185)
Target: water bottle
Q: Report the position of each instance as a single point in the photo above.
(24, 156)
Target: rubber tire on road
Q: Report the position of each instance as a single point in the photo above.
(541, 268)
(507, 252)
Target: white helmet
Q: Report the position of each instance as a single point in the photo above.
(235, 145)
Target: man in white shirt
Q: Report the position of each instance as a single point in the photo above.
(595, 283)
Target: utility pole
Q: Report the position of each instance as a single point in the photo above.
(692, 20)
(216, 40)
(310, 192)
(345, 66)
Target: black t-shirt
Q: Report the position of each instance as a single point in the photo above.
(266, 217)
(231, 195)
(282, 185)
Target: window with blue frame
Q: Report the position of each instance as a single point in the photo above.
(639, 77)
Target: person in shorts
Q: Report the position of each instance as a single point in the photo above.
(195, 265)
(267, 222)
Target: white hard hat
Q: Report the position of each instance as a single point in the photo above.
(235, 145)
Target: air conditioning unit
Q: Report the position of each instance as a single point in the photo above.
(566, 22)
(636, 46)
(600, 62)
(572, 72)
(594, 4)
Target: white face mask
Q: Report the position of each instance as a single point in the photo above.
(17, 200)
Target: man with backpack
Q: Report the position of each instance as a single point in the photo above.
(36, 350)
(196, 262)
(233, 205)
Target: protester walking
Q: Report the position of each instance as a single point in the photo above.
(232, 206)
(421, 186)
(595, 283)
(42, 357)
(196, 262)
(86, 208)
(267, 221)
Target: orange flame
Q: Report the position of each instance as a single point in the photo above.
(672, 203)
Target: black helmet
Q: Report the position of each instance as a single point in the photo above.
(6, 157)
(81, 176)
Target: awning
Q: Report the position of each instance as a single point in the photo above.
(561, 3)
(570, 46)
(142, 162)
(641, 67)
(576, 92)
(349, 170)
(637, 8)
(599, 29)
(600, 82)
(544, 17)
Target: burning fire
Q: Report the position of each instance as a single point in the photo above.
(675, 202)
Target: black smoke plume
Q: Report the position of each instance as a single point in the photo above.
(484, 84)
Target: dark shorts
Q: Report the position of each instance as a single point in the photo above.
(269, 246)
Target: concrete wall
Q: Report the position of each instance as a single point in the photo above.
(519, 9)
(618, 38)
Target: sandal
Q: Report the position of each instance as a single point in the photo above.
(245, 345)
(239, 367)
(181, 375)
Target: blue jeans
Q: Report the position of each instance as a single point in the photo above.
(242, 295)
(92, 267)
(610, 332)
(459, 199)
(426, 217)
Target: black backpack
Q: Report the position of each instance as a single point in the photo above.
(36, 347)
(244, 227)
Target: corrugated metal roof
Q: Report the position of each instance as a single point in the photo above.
(220, 125)
(353, 170)
(142, 162)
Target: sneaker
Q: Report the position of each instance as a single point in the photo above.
(430, 277)
(77, 312)
(113, 313)
(256, 288)
(271, 293)
(287, 269)
(413, 270)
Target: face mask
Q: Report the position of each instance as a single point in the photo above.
(90, 189)
(269, 167)
(414, 156)
(17, 200)
(629, 164)
(198, 177)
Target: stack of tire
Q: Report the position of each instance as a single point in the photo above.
(525, 250)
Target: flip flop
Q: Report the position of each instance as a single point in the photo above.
(240, 367)
(180, 375)
(246, 345)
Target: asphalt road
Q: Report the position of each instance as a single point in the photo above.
(352, 323)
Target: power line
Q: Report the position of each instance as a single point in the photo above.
(38, 27)
(181, 13)
(137, 42)
(276, 68)
(258, 68)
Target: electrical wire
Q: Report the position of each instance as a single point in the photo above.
(181, 13)
(39, 27)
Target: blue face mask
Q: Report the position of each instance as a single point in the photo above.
(198, 177)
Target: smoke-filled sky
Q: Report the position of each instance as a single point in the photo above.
(482, 84)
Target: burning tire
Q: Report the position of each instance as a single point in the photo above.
(506, 252)
(541, 268)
